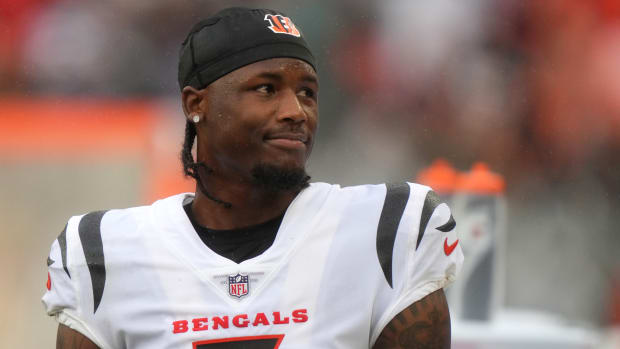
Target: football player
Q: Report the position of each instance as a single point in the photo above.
(257, 257)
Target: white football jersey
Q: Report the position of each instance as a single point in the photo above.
(344, 262)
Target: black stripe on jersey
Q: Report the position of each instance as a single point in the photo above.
(62, 242)
(50, 261)
(396, 198)
(430, 204)
(90, 235)
(448, 226)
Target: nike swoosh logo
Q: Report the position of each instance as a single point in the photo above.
(448, 249)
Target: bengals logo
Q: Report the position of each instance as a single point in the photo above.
(282, 25)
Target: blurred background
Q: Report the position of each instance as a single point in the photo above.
(90, 119)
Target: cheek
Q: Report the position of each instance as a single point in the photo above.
(238, 137)
(313, 119)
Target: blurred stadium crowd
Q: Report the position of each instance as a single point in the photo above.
(530, 87)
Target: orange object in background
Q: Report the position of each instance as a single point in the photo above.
(44, 128)
(480, 180)
(440, 176)
(446, 180)
(78, 130)
(477, 204)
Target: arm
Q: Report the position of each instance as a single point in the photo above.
(425, 325)
(68, 338)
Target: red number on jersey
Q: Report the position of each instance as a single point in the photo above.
(255, 342)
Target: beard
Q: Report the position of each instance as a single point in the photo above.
(274, 178)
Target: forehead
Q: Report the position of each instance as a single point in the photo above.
(285, 67)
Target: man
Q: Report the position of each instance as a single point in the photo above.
(257, 257)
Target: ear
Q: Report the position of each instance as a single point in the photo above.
(194, 102)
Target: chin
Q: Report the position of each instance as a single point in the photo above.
(280, 177)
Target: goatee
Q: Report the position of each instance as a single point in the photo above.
(274, 178)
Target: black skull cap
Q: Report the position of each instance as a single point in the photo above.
(235, 37)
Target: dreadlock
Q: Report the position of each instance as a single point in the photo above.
(190, 167)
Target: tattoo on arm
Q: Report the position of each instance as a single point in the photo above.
(423, 325)
(68, 338)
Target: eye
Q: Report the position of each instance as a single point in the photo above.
(265, 88)
(307, 92)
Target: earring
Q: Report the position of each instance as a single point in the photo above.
(196, 118)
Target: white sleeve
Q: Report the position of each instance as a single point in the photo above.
(62, 297)
(60, 294)
(427, 254)
(436, 261)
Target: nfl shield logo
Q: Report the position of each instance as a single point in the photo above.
(238, 285)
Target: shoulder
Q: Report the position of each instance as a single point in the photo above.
(86, 237)
(384, 201)
(92, 244)
(417, 248)
(366, 189)
(123, 222)
(373, 191)
(391, 197)
(109, 223)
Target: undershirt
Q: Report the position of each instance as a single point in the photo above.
(239, 244)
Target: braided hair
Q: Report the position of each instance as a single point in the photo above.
(191, 168)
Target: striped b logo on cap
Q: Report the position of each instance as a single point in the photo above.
(281, 25)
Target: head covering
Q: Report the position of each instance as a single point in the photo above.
(235, 37)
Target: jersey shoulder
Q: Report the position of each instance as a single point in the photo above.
(91, 244)
(117, 225)
(412, 232)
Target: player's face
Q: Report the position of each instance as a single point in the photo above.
(263, 113)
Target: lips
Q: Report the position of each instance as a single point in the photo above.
(288, 140)
(291, 136)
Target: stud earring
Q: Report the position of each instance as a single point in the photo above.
(196, 118)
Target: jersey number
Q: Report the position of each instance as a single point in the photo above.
(255, 342)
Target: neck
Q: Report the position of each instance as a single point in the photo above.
(250, 205)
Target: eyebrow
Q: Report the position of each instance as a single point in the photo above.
(310, 78)
(278, 77)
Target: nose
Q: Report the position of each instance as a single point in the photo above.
(290, 109)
